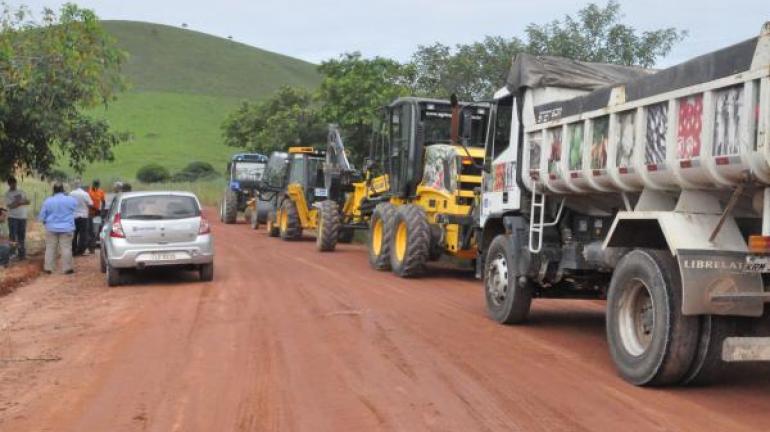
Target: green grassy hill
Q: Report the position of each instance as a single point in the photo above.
(182, 85)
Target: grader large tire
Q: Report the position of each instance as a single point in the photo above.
(273, 230)
(651, 342)
(230, 207)
(288, 224)
(328, 226)
(381, 235)
(411, 241)
(508, 295)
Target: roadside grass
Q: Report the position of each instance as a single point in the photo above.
(208, 192)
(170, 129)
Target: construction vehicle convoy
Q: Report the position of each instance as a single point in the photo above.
(416, 195)
(244, 171)
(651, 190)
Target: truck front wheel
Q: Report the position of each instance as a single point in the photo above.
(650, 341)
(508, 295)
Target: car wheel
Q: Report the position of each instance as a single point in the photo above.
(114, 276)
(206, 272)
(102, 263)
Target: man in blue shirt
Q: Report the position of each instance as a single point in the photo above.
(58, 216)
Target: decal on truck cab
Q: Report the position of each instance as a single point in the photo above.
(504, 176)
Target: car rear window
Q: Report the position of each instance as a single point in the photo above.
(159, 207)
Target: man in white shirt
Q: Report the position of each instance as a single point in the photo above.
(18, 212)
(81, 235)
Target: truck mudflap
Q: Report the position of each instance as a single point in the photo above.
(743, 349)
(720, 283)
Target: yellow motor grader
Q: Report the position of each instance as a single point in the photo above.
(430, 153)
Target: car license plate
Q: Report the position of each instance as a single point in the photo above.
(320, 192)
(757, 264)
(164, 256)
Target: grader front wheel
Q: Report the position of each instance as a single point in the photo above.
(411, 241)
(381, 235)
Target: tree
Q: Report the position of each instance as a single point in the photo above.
(597, 35)
(353, 90)
(470, 71)
(476, 70)
(285, 119)
(50, 72)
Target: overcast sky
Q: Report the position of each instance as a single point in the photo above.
(314, 30)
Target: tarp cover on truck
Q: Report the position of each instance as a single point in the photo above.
(530, 71)
(546, 71)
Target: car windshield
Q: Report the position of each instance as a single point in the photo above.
(152, 207)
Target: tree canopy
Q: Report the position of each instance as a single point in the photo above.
(354, 88)
(286, 119)
(596, 34)
(50, 72)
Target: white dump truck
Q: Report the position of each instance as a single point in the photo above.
(648, 188)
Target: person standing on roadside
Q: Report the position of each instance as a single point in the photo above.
(58, 216)
(97, 198)
(5, 244)
(81, 236)
(18, 212)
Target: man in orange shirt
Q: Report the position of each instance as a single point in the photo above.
(97, 196)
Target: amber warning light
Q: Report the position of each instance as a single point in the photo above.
(759, 244)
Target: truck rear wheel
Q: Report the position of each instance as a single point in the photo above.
(708, 365)
(411, 241)
(230, 206)
(288, 221)
(328, 226)
(508, 296)
(273, 230)
(380, 235)
(650, 341)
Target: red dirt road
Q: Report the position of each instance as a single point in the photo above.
(288, 339)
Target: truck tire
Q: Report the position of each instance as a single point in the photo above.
(650, 341)
(230, 206)
(288, 224)
(254, 219)
(346, 235)
(411, 241)
(273, 230)
(708, 366)
(508, 296)
(381, 235)
(328, 226)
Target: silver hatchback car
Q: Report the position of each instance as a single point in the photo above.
(147, 229)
